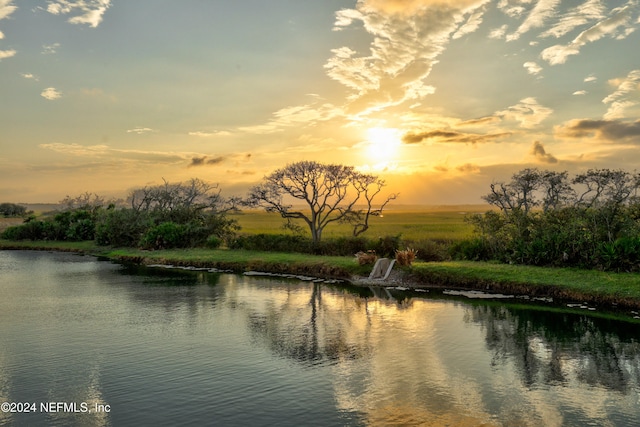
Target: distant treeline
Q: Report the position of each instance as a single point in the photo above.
(164, 216)
(545, 218)
(9, 210)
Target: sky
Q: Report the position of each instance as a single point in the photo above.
(440, 98)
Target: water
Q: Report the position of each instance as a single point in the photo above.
(162, 347)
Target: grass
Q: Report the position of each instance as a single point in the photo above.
(445, 224)
(613, 286)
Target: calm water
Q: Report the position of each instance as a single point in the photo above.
(164, 347)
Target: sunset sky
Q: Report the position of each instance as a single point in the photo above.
(438, 97)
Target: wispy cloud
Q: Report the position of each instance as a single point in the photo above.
(106, 153)
(51, 94)
(541, 12)
(450, 136)
(621, 16)
(603, 130)
(29, 76)
(590, 79)
(50, 49)
(580, 92)
(532, 68)
(528, 112)
(7, 53)
(299, 115)
(85, 11)
(202, 134)
(538, 151)
(206, 161)
(140, 130)
(408, 36)
(7, 8)
(590, 11)
(499, 33)
(626, 95)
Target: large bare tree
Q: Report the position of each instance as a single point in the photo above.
(329, 193)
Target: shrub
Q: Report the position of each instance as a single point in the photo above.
(213, 242)
(365, 258)
(406, 257)
(386, 246)
(473, 249)
(120, 227)
(273, 243)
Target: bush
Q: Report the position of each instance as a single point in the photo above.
(386, 246)
(273, 243)
(429, 250)
(120, 227)
(473, 249)
(213, 242)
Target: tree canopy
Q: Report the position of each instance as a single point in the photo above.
(330, 193)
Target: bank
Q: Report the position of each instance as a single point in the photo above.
(617, 290)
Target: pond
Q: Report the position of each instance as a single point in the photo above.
(89, 342)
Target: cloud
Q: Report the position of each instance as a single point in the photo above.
(76, 149)
(6, 8)
(201, 134)
(299, 115)
(29, 76)
(480, 121)
(626, 95)
(606, 130)
(86, 11)
(498, 33)
(527, 112)
(449, 136)
(472, 24)
(106, 153)
(50, 49)
(408, 36)
(51, 94)
(580, 92)
(590, 79)
(7, 53)
(140, 130)
(532, 67)
(591, 10)
(205, 160)
(468, 168)
(538, 151)
(541, 12)
(558, 54)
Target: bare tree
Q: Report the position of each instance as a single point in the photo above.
(194, 195)
(330, 192)
(517, 195)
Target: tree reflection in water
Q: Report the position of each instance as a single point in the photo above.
(553, 349)
(428, 362)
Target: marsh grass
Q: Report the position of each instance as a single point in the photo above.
(412, 224)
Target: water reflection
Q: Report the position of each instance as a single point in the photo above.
(419, 361)
(561, 348)
(235, 350)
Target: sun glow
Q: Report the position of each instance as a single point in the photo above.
(383, 143)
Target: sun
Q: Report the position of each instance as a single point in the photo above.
(383, 143)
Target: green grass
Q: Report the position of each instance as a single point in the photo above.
(613, 286)
(443, 225)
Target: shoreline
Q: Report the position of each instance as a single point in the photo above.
(560, 285)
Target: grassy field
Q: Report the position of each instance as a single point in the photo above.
(8, 222)
(413, 223)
